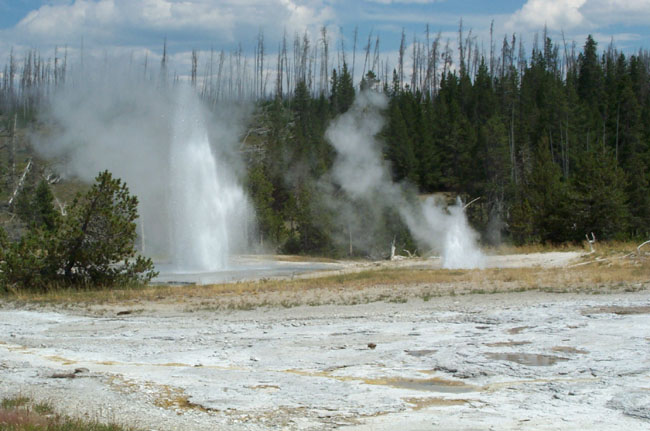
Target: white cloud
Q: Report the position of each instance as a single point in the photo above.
(555, 14)
(405, 1)
(625, 12)
(579, 14)
(107, 21)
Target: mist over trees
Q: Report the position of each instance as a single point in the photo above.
(554, 138)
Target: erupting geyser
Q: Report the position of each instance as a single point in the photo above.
(206, 202)
(177, 157)
(360, 170)
(460, 250)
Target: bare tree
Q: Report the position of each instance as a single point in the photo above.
(400, 64)
(354, 50)
(195, 61)
(367, 49)
(324, 69)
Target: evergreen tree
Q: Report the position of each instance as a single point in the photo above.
(548, 198)
(45, 215)
(342, 91)
(400, 149)
(92, 246)
(638, 192)
(95, 243)
(599, 203)
(260, 190)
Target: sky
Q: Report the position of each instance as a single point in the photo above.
(139, 27)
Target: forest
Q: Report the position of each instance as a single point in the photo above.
(549, 145)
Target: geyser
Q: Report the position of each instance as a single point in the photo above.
(179, 158)
(360, 171)
(205, 200)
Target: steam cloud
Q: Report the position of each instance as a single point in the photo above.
(182, 162)
(362, 174)
(179, 159)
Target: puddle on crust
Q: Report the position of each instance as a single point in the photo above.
(569, 349)
(420, 353)
(430, 385)
(507, 343)
(529, 359)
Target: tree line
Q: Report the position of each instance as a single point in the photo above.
(554, 148)
(554, 143)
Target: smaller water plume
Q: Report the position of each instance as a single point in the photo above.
(447, 231)
(460, 244)
(361, 172)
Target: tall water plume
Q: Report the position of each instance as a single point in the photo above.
(178, 157)
(205, 200)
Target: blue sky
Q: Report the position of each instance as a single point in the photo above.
(138, 27)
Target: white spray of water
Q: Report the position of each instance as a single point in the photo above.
(177, 157)
(460, 250)
(205, 201)
(447, 231)
(361, 172)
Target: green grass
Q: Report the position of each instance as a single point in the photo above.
(12, 403)
(20, 414)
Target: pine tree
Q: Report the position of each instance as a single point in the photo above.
(346, 91)
(96, 240)
(638, 192)
(260, 190)
(548, 197)
(400, 147)
(599, 203)
(45, 214)
(92, 246)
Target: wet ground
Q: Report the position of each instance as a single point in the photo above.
(256, 267)
(242, 268)
(494, 361)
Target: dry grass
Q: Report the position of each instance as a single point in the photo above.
(21, 414)
(610, 269)
(534, 248)
(602, 248)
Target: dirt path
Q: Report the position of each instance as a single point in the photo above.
(527, 360)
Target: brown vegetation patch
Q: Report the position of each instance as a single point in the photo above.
(17, 419)
(63, 361)
(271, 388)
(358, 283)
(162, 396)
(518, 329)
(435, 384)
(619, 310)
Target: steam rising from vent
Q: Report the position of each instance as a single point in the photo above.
(359, 168)
(362, 174)
(177, 157)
